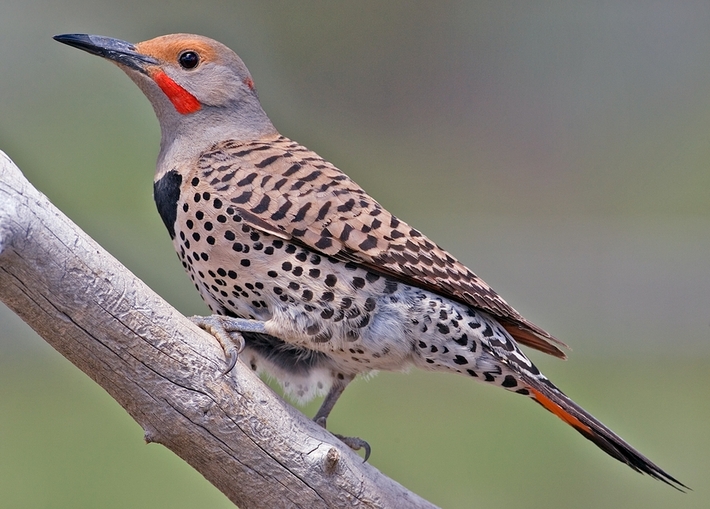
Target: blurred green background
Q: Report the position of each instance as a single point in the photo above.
(560, 149)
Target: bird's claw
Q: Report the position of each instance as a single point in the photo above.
(232, 357)
(354, 443)
(229, 339)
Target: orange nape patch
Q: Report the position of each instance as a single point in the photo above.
(183, 100)
(559, 411)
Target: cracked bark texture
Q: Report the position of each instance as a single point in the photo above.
(166, 373)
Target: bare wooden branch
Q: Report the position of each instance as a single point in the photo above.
(166, 373)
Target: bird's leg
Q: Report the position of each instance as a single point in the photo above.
(226, 328)
(226, 331)
(321, 416)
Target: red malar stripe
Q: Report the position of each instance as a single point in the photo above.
(183, 100)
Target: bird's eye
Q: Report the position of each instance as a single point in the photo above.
(188, 59)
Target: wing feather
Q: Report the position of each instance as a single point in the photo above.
(286, 190)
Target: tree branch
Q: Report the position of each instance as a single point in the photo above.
(255, 448)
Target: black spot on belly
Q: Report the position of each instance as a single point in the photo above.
(166, 193)
(463, 340)
(390, 287)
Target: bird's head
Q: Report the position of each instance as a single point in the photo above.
(186, 78)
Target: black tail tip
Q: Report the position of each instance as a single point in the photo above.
(617, 448)
(669, 480)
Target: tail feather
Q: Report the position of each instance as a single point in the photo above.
(555, 401)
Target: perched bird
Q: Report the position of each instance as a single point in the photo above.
(321, 281)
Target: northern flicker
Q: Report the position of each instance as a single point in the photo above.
(322, 282)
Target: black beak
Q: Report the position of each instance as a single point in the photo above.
(119, 51)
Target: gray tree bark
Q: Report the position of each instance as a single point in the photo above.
(254, 447)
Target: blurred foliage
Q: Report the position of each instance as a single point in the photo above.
(559, 149)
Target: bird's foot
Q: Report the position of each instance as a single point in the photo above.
(354, 443)
(226, 331)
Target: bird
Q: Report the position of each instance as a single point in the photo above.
(310, 278)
